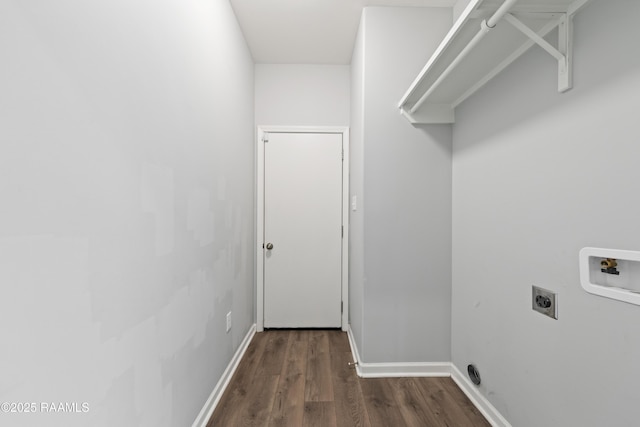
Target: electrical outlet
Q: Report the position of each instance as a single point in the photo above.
(544, 301)
(228, 321)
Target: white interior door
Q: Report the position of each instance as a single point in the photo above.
(302, 230)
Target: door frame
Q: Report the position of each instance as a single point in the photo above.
(259, 254)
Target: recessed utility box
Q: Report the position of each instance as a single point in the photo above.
(611, 273)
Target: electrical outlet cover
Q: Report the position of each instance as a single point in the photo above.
(544, 301)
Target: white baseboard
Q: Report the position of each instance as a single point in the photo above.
(485, 407)
(437, 369)
(354, 350)
(389, 370)
(216, 394)
(409, 369)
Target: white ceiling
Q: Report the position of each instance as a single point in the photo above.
(308, 31)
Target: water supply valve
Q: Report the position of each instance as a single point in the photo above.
(608, 265)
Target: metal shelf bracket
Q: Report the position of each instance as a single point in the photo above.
(563, 54)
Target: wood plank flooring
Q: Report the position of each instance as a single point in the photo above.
(301, 378)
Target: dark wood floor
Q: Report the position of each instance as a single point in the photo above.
(301, 378)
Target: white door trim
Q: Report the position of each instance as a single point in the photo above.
(260, 215)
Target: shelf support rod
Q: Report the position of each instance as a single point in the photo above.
(502, 10)
(485, 27)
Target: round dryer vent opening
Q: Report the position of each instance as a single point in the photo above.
(474, 374)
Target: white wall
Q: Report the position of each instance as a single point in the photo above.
(406, 217)
(537, 176)
(356, 189)
(302, 95)
(126, 228)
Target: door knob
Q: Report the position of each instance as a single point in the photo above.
(269, 246)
